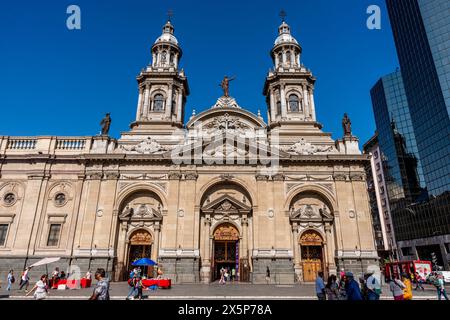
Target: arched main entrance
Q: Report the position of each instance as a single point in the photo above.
(311, 248)
(225, 250)
(140, 246)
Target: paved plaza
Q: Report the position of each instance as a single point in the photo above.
(230, 291)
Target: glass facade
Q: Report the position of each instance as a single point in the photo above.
(422, 36)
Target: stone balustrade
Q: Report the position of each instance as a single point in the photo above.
(55, 145)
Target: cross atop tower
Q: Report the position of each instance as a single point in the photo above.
(283, 15)
(169, 14)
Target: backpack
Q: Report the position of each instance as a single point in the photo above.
(377, 291)
(13, 279)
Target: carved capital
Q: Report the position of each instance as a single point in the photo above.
(174, 175)
(261, 177)
(112, 175)
(278, 177)
(94, 175)
(358, 177)
(190, 176)
(226, 176)
(340, 177)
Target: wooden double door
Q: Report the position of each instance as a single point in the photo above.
(312, 262)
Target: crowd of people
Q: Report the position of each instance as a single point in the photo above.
(227, 275)
(369, 286)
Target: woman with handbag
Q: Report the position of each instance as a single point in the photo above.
(41, 289)
(396, 287)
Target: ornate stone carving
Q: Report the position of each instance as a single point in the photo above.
(174, 176)
(226, 176)
(302, 147)
(226, 102)
(357, 177)
(94, 175)
(226, 232)
(147, 146)
(311, 238)
(226, 123)
(112, 175)
(190, 176)
(340, 177)
(278, 177)
(261, 177)
(141, 237)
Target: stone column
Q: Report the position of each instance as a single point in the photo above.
(284, 58)
(121, 251)
(330, 249)
(283, 102)
(313, 106)
(175, 61)
(146, 102)
(180, 106)
(297, 258)
(272, 106)
(155, 251)
(298, 59)
(306, 101)
(206, 260)
(153, 59)
(139, 105)
(169, 102)
(244, 252)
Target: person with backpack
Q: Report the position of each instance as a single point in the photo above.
(440, 288)
(373, 287)
(132, 292)
(396, 286)
(139, 287)
(11, 280)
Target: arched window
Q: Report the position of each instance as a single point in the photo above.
(280, 59)
(288, 58)
(293, 103)
(172, 57)
(163, 57)
(278, 107)
(158, 104)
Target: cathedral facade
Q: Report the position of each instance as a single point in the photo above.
(225, 189)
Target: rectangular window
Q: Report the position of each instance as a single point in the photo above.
(3, 233)
(53, 235)
(407, 251)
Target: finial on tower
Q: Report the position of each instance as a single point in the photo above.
(169, 15)
(283, 15)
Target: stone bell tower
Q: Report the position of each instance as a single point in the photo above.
(163, 88)
(289, 92)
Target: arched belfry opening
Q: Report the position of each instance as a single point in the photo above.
(226, 220)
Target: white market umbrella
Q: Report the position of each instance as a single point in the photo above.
(45, 261)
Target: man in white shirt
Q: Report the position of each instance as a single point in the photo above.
(373, 287)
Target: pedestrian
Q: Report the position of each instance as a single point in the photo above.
(419, 281)
(62, 275)
(11, 280)
(407, 292)
(342, 292)
(268, 275)
(352, 290)
(132, 292)
(41, 288)
(440, 288)
(320, 286)
(88, 275)
(233, 274)
(139, 286)
(373, 287)
(101, 291)
(396, 286)
(25, 279)
(362, 285)
(332, 288)
(55, 277)
(222, 276)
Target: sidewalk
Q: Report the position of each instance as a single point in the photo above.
(119, 290)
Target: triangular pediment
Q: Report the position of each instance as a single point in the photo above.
(226, 203)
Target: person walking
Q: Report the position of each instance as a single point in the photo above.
(396, 286)
(407, 292)
(139, 287)
(101, 291)
(233, 274)
(320, 286)
(132, 292)
(352, 289)
(222, 276)
(11, 280)
(419, 281)
(440, 288)
(41, 288)
(332, 288)
(25, 279)
(373, 287)
(268, 275)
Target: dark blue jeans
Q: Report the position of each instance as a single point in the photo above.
(372, 296)
(441, 293)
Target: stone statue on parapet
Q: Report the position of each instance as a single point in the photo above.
(106, 124)
(225, 84)
(347, 125)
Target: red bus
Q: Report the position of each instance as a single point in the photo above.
(395, 269)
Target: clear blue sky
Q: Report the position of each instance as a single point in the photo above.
(59, 82)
